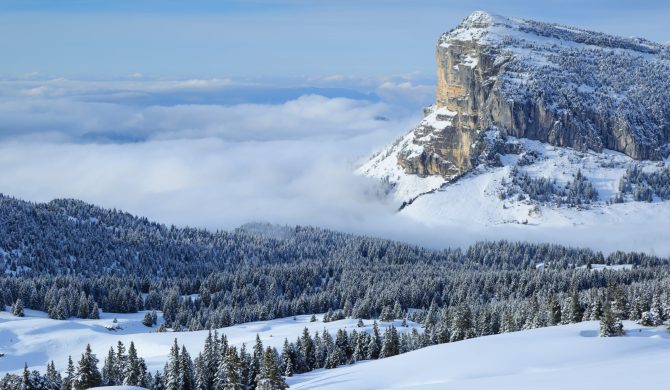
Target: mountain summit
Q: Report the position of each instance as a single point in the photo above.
(561, 85)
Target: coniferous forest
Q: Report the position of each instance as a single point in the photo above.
(71, 259)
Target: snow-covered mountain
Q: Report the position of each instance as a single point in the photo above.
(537, 123)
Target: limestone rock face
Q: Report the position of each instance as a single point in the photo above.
(565, 86)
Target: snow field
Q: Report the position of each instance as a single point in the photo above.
(36, 339)
(559, 357)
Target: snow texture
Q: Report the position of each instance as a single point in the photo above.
(472, 206)
(36, 339)
(559, 357)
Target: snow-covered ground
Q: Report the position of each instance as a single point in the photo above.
(470, 209)
(560, 357)
(36, 339)
(570, 356)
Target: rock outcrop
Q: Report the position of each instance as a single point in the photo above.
(565, 86)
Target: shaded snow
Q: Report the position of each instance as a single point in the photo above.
(36, 339)
(560, 357)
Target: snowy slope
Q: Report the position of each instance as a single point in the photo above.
(384, 165)
(470, 208)
(36, 339)
(561, 357)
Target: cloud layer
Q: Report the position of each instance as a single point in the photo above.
(208, 165)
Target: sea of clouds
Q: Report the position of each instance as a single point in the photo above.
(208, 153)
(218, 153)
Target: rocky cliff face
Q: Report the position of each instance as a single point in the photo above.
(565, 86)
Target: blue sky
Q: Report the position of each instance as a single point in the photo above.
(268, 39)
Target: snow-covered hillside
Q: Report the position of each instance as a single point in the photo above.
(384, 165)
(560, 357)
(36, 339)
(484, 204)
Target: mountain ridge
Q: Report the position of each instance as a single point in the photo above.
(565, 86)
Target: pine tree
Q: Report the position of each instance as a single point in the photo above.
(69, 375)
(342, 344)
(132, 373)
(172, 372)
(109, 374)
(200, 373)
(145, 375)
(348, 308)
(391, 344)
(256, 362)
(59, 311)
(397, 310)
(94, 314)
(462, 323)
(148, 320)
(207, 364)
(308, 353)
(386, 314)
(361, 348)
(286, 365)
(158, 381)
(270, 378)
(87, 372)
(232, 370)
(26, 382)
(610, 326)
(187, 374)
(120, 363)
(245, 366)
(319, 352)
(53, 378)
(375, 345)
(17, 308)
(656, 309)
(431, 315)
(553, 310)
(83, 309)
(220, 379)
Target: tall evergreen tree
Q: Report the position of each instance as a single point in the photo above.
(391, 344)
(610, 326)
(157, 381)
(270, 378)
(69, 375)
(94, 314)
(109, 369)
(172, 371)
(374, 346)
(87, 375)
(233, 370)
(26, 380)
(132, 373)
(462, 323)
(308, 352)
(256, 362)
(286, 364)
(186, 371)
(17, 308)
